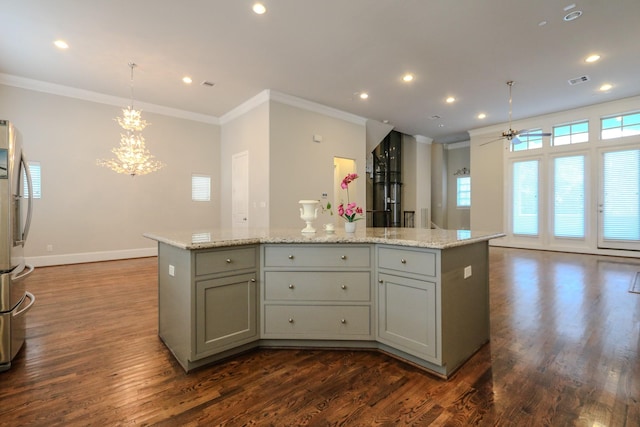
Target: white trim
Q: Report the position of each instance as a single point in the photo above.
(245, 107)
(101, 98)
(272, 95)
(44, 261)
(423, 139)
(317, 108)
(457, 145)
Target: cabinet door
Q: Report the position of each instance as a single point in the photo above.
(407, 318)
(226, 313)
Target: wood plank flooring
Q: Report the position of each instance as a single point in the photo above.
(564, 351)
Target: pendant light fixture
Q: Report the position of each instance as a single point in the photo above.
(132, 156)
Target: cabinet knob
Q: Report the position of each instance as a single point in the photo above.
(228, 261)
(290, 256)
(380, 281)
(404, 261)
(290, 320)
(253, 280)
(343, 321)
(343, 286)
(343, 257)
(291, 286)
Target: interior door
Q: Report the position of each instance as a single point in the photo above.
(240, 190)
(619, 204)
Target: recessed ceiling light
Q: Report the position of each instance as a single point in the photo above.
(61, 44)
(407, 77)
(364, 95)
(573, 15)
(592, 58)
(259, 8)
(187, 80)
(450, 100)
(605, 87)
(482, 116)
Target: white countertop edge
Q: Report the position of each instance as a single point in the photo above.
(420, 238)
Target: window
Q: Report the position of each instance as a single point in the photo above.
(621, 199)
(525, 198)
(573, 133)
(568, 193)
(200, 188)
(463, 191)
(36, 181)
(620, 126)
(528, 142)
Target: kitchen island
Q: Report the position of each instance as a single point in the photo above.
(418, 294)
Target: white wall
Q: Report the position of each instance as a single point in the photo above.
(458, 156)
(90, 213)
(303, 169)
(247, 131)
(439, 185)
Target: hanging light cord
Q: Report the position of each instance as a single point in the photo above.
(132, 65)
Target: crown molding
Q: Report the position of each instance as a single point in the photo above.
(423, 139)
(316, 108)
(245, 107)
(101, 98)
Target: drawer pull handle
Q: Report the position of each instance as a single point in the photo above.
(343, 321)
(343, 286)
(290, 256)
(404, 261)
(343, 257)
(228, 261)
(290, 320)
(291, 286)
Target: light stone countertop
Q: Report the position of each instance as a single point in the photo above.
(413, 237)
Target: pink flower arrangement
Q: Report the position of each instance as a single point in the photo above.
(352, 209)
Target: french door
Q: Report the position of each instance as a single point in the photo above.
(619, 203)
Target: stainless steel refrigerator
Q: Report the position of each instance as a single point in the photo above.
(15, 219)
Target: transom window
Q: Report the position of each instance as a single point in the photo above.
(573, 133)
(525, 142)
(620, 126)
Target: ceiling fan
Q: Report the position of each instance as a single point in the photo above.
(512, 135)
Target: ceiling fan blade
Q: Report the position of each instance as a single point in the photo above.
(489, 142)
(515, 141)
(533, 132)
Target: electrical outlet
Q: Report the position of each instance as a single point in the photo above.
(467, 272)
(172, 270)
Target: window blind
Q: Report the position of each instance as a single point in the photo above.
(621, 204)
(568, 194)
(200, 188)
(525, 197)
(36, 180)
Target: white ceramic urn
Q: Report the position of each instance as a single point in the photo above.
(309, 212)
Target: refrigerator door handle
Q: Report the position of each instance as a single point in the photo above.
(28, 269)
(32, 300)
(27, 223)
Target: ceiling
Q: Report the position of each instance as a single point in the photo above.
(329, 51)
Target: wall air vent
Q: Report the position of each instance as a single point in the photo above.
(579, 80)
(207, 83)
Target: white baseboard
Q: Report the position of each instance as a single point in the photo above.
(44, 261)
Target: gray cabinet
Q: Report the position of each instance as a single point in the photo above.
(317, 292)
(433, 305)
(207, 302)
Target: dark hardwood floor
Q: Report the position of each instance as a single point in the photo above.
(564, 351)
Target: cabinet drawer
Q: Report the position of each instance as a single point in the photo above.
(226, 260)
(319, 256)
(313, 321)
(407, 261)
(318, 285)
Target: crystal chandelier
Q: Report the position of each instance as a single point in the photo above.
(132, 156)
